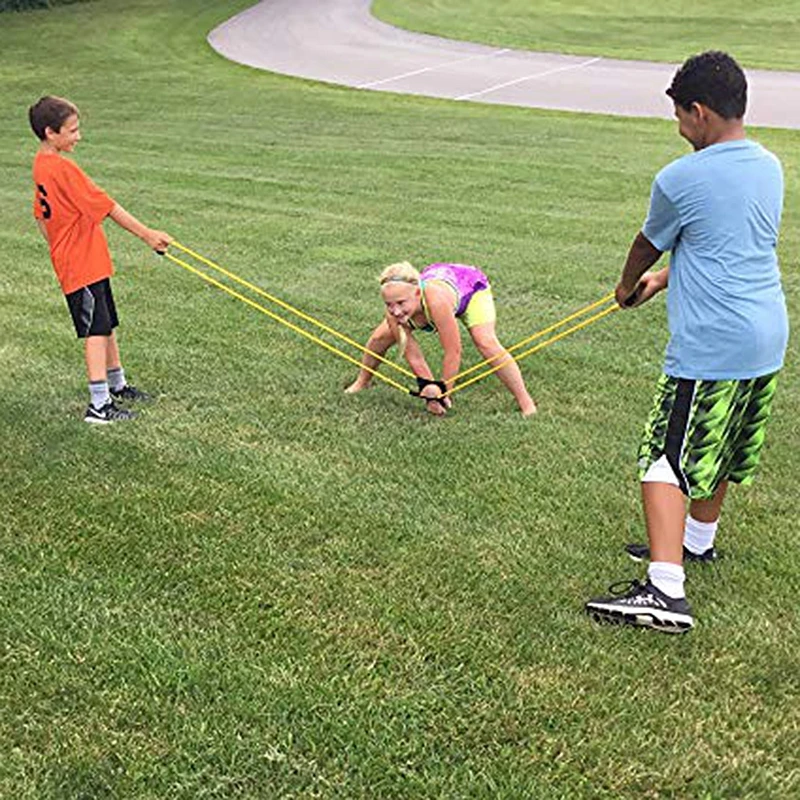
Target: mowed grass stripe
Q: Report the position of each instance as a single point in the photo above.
(763, 36)
(264, 588)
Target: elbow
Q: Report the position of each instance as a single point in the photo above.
(647, 250)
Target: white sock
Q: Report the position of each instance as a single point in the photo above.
(699, 536)
(667, 578)
(98, 393)
(116, 378)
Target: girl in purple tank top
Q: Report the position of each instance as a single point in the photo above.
(433, 301)
(463, 280)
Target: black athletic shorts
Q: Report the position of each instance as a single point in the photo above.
(93, 310)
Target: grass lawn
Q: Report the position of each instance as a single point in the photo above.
(763, 35)
(266, 589)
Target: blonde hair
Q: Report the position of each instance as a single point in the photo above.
(401, 272)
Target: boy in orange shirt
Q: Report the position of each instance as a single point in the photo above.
(70, 211)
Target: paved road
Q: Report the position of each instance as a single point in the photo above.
(339, 41)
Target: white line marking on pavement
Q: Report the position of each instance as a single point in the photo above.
(430, 69)
(528, 78)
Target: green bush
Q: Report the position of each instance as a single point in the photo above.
(27, 5)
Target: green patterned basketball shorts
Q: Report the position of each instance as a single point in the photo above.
(708, 431)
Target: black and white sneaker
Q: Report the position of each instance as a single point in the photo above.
(643, 605)
(641, 552)
(108, 413)
(130, 393)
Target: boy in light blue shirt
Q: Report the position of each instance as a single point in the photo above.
(718, 211)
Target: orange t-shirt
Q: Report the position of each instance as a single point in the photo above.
(72, 209)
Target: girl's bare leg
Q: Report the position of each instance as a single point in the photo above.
(489, 347)
(379, 342)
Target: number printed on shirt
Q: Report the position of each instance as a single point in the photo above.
(47, 212)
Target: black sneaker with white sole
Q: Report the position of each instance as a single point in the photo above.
(643, 605)
(641, 552)
(130, 393)
(108, 413)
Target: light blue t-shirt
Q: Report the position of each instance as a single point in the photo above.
(719, 210)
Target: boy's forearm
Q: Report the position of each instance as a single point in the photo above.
(641, 257)
(158, 240)
(43, 230)
(127, 221)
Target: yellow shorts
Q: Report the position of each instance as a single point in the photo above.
(480, 309)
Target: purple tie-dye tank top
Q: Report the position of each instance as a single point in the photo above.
(463, 279)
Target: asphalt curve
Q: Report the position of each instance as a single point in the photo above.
(339, 41)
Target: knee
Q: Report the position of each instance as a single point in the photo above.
(380, 343)
(489, 346)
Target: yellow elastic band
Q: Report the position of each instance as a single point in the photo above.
(292, 309)
(532, 350)
(280, 319)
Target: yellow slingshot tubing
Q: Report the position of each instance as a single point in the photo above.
(460, 383)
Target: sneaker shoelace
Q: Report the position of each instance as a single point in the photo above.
(636, 593)
(626, 587)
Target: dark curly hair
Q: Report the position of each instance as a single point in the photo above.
(713, 79)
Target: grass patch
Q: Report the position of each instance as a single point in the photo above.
(264, 588)
(763, 36)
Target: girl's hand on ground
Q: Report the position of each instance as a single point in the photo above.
(432, 392)
(435, 407)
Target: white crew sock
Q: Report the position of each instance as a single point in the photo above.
(699, 536)
(667, 578)
(116, 378)
(98, 393)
